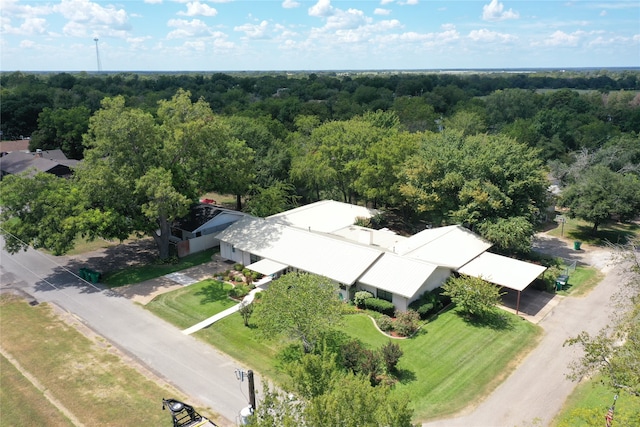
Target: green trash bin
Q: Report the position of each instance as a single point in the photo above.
(83, 273)
(576, 245)
(93, 276)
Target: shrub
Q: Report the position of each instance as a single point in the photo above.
(351, 355)
(407, 322)
(360, 297)
(391, 354)
(238, 267)
(428, 304)
(239, 291)
(380, 305)
(385, 323)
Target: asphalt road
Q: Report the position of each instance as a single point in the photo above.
(195, 368)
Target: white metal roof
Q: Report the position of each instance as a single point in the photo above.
(320, 254)
(399, 275)
(508, 272)
(382, 238)
(324, 216)
(267, 267)
(451, 246)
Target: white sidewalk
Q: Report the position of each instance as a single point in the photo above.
(247, 300)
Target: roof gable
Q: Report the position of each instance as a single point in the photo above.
(451, 246)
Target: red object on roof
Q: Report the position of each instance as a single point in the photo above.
(208, 201)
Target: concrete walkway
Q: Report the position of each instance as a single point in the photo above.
(145, 292)
(229, 311)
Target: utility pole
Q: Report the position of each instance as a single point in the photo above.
(98, 55)
(252, 390)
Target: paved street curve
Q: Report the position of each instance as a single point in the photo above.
(197, 369)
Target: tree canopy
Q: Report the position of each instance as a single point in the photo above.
(487, 183)
(299, 305)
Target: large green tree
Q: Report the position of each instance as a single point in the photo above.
(299, 305)
(148, 170)
(39, 211)
(63, 129)
(140, 173)
(599, 193)
(489, 183)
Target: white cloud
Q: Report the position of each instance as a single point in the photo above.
(603, 13)
(383, 2)
(321, 9)
(409, 2)
(494, 11)
(27, 44)
(380, 11)
(86, 19)
(184, 28)
(153, 1)
(290, 4)
(484, 35)
(29, 26)
(198, 9)
(560, 38)
(252, 31)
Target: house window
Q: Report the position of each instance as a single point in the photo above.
(387, 296)
(253, 258)
(233, 249)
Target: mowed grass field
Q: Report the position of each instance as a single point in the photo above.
(189, 305)
(86, 376)
(449, 364)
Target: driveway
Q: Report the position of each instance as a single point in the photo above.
(535, 392)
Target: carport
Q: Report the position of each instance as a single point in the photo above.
(503, 271)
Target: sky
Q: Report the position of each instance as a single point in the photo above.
(298, 35)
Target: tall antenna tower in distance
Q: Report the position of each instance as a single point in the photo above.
(98, 55)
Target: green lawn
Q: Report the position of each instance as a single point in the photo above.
(579, 230)
(449, 364)
(187, 306)
(137, 274)
(589, 403)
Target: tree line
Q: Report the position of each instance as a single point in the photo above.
(445, 155)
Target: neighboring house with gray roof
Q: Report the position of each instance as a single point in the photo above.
(321, 238)
(197, 230)
(49, 161)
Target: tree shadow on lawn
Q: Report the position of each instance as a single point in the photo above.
(609, 232)
(494, 319)
(213, 292)
(405, 376)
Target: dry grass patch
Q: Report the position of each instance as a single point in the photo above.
(90, 378)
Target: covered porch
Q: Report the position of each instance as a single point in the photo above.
(513, 274)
